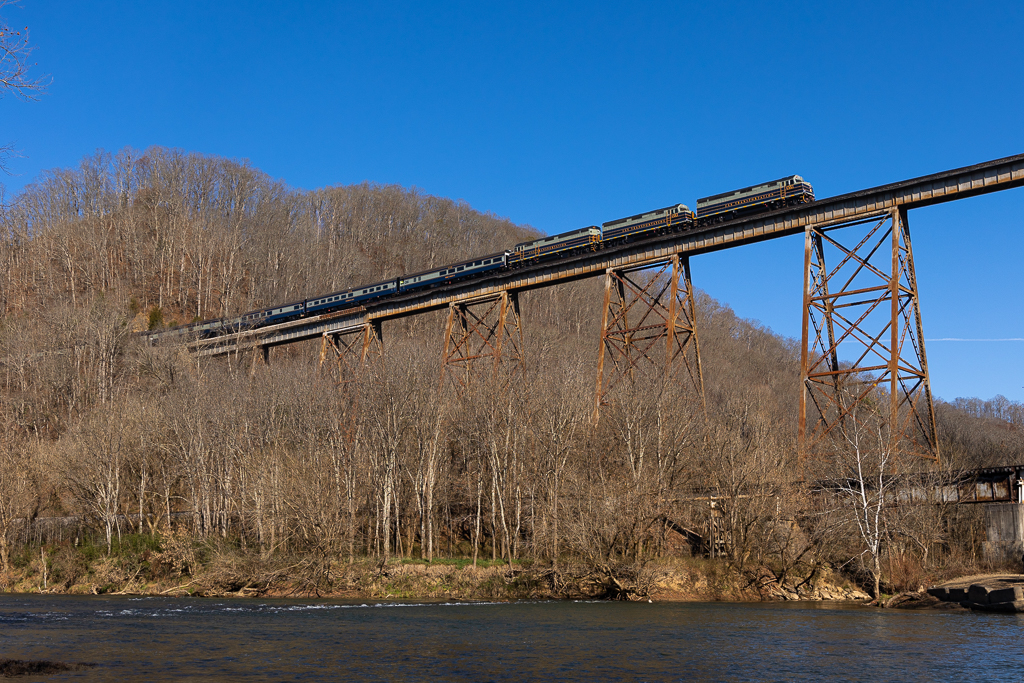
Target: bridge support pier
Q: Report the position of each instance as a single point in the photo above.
(488, 327)
(260, 356)
(647, 306)
(864, 307)
(351, 347)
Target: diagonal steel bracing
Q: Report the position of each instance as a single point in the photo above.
(485, 333)
(863, 344)
(351, 349)
(649, 319)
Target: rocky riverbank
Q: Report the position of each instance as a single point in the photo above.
(9, 668)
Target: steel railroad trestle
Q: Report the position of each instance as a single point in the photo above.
(863, 296)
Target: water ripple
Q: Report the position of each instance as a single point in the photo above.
(164, 639)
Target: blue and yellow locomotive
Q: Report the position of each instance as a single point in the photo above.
(788, 191)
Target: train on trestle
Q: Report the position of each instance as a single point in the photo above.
(788, 191)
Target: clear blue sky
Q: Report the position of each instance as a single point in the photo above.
(568, 114)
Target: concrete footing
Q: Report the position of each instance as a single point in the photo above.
(977, 597)
(1004, 531)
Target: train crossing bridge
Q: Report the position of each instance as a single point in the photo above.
(860, 302)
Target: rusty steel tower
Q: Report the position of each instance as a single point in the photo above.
(488, 329)
(649, 319)
(863, 348)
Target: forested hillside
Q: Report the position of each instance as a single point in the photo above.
(283, 469)
(204, 237)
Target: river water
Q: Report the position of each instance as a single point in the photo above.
(164, 639)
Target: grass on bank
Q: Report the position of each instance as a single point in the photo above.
(157, 563)
(179, 563)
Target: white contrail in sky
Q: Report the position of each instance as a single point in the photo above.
(975, 340)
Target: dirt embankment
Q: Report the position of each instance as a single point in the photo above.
(661, 580)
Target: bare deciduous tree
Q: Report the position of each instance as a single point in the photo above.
(15, 78)
(19, 498)
(15, 50)
(865, 483)
(282, 460)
